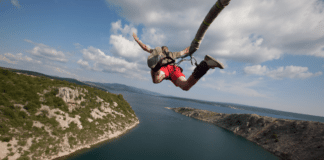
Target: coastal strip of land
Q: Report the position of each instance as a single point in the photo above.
(100, 140)
(43, 118)
(287, 139)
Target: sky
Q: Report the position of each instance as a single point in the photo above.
(273, 50)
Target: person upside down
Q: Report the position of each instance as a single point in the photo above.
(162, 64)
(162, 61)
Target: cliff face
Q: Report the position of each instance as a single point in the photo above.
(42, 118)
(287, 139)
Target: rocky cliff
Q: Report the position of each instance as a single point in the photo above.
(42, 118)
(287, 139)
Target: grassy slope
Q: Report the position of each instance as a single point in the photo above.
(27, 90)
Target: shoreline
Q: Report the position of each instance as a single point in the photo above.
(286, 139)
(108, 137)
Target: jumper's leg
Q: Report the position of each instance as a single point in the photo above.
(199, 71)
(158, 76)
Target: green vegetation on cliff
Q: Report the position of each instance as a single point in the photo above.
(287, 139)
(40, 117)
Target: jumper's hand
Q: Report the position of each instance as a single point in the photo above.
(193, 47)
(141, 44)
(185, 51)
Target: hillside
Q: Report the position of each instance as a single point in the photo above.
(43, 118)
(118, 87)
(287, 139)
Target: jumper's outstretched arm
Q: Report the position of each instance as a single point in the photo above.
(180, 54)
(185, 51)
(210, 17)
(142, 45)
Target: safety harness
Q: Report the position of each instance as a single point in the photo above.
(172, 61)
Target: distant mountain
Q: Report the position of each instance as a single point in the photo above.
(40, 74)
(118, 87)
(52, 77)
(103, 86)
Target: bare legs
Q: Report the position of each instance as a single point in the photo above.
(199, 71)
(182, 82)
(158, 76)
(186, 84)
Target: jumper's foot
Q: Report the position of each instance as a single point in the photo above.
(212, 63)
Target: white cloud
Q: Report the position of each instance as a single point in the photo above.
(228, 73)
(44, 51)
(95, 59)
(246, 49)
(15, 58)
(3, 58)
(77, 45)
(126, 48)
(250, 31)
(128, 58)
(238, 88)
(15, 3)
(191, 68)
(116, 28)
(154, 36)
(123, 44)
(293, 72)
(211, 71)
(83, 63)
(66, 72)
(256, 69)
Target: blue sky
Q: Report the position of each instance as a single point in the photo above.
(273, 50)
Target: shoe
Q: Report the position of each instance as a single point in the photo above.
(212, 63)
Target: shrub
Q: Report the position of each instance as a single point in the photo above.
(83, 103)
(6, 139)
(23, 158)
(4, 101)
(25, 153)
(47, 151)
(3, 129)
(22, 142)
(8, 112)
(59, 103)
(53, 122)
(22, 114)
(6, 72)
(32, 106)
(120, 96)
(72, 140)
(55, 132)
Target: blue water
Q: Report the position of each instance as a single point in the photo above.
(164, 134)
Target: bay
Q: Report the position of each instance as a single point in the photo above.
(164, 134)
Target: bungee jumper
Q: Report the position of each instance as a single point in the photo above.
(162, 61)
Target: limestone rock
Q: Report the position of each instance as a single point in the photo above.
(287, 139)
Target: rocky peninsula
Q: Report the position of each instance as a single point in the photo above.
(43, 118)
(287, 139)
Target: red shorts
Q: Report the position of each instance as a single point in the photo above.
(172, 72)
